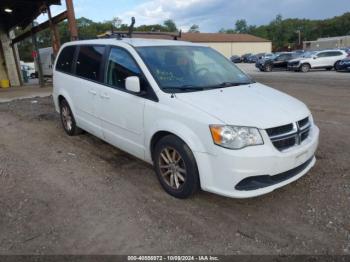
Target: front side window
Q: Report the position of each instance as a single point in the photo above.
(89, 62)
(191, 68)
(65, 59)
(120, 66)
(324, 54)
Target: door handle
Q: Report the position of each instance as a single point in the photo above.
(93, 92)
(105, 96)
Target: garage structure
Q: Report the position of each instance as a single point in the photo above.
(20, 13)
(230, 44)
(327, 43)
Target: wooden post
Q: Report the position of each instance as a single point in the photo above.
(54, 33)
(71, 20)
(37, 59)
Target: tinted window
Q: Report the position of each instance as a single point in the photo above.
(334, 53)
(65, 60)
(89, 62)
(120, 66)
(324, 54)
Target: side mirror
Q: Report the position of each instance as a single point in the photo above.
(132, 84)
(314, 57)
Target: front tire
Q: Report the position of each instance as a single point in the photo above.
(68, 120)
(268, 68)
(305, 68)
(176, 167)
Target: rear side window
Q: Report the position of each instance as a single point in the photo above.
(89, 62)
(335, 53)
(65, 60)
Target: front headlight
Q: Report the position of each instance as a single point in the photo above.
(235, 137)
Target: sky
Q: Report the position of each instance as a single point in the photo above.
(210, 15)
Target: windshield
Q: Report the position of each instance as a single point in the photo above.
(191, 68)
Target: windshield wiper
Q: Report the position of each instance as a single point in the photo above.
(227, 84)
(184, 88)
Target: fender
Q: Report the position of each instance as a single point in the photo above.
(177, 128)
(66, 96)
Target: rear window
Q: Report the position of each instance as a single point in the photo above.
(65, 60)
(335, 53)
(89, 62)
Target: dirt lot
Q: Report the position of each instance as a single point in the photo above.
(63, 195)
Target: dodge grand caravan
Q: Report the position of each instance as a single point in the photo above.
(189, 111)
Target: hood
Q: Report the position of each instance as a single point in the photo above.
(254, 105)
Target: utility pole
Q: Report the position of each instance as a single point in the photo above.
(299, 37)
(37, 59)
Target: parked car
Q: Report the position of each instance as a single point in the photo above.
(189, 111)
(255, 58)
(29, 68)
(278, 62)
(268, 56)
(344, 65)
(346, 49)
(244, 58)
(235, 59)
(326, 59)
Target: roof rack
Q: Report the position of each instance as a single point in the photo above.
(122, 34)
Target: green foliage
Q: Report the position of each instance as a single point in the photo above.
(87, 29)
(284, 32)
(194, 29)
(170, 26)
(241, 26)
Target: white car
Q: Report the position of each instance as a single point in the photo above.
(189, 111)
(327, 59)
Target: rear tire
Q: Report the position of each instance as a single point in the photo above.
(268, 68)
(176, 167)
(68, 120)
(305, 68)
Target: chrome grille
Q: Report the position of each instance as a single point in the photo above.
(287, 136)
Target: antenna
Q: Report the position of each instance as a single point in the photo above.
(131, 27)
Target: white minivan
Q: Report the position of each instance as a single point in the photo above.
(189, 111)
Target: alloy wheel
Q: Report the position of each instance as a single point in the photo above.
(172, 168)
(67, 118)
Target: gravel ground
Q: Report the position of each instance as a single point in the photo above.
(64, 195)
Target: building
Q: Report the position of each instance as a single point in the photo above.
(230, 44)
(19, 13)
(327, 43)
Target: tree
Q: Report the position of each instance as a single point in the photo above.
(170, 25)
(194, 29)
(241, 26)
(116, 22)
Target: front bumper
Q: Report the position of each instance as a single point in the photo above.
(293, 67)
(220, 173)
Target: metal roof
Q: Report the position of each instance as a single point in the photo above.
(21, 12)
